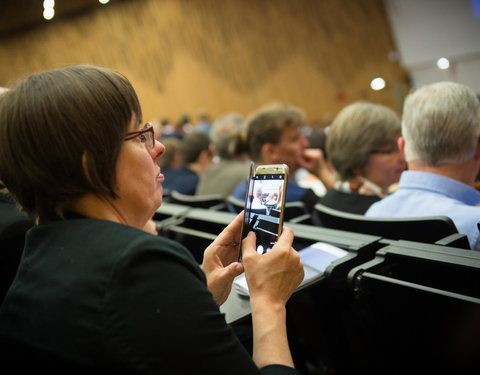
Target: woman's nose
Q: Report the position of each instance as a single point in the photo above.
(158, 150)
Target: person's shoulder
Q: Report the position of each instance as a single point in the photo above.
(378, 208)
(12, 220)
(240, 190)
(295, 192)
(105, 233)
(292, 184)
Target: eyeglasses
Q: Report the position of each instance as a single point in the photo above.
(390, 148)
(146, 135)
(387, 151)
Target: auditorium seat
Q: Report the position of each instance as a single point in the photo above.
(210, 201)
(431, 229)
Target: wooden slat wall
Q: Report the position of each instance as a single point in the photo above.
(184, 56)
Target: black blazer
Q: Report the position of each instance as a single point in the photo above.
(96, 295)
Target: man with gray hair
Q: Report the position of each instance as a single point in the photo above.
(230, 165)
(441, 134)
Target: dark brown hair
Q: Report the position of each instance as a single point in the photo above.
(50, 121)
(268, 124)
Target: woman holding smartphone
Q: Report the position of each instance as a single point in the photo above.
(93, 290)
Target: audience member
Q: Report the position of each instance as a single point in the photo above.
(204, 123)
(362, 147)
(274, 137)
(257, 201)
(13, 226)
(165, 128)
(171, 159)
(196, 152)
(316, 137)
(94, 292)
(180, 129)
(441, 134)
(230, 164)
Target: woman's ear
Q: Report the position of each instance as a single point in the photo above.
(477, 151)
(401, 145)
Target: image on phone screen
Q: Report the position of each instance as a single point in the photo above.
(264, 205)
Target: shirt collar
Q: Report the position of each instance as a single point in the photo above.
(433, 182)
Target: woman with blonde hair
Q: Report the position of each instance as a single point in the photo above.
(362, 148)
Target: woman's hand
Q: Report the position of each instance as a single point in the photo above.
(220, 261)
(271, 278)
(274, 276)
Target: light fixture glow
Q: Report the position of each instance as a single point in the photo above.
(377, 83)
(103, 1)
(443, 63)
(48, 4)
(48, 13)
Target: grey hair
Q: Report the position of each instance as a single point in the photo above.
(441, 124)
(227, 133)
(356, 131)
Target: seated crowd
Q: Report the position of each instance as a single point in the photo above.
(110, 295)
(372, 162)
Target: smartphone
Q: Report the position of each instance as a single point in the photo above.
(265, 204)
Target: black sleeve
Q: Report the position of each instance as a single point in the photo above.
(162, 319)
(278, 370)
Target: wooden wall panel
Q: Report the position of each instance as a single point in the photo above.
(184, 56)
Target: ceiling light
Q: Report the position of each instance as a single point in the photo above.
(48, 13)
(443, 63)
(377, 83)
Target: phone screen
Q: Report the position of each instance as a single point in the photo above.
(264, 204)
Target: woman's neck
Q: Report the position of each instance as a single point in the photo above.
(104, 208)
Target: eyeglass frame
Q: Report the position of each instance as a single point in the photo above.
(392, 149)
(148, 128)
(388, 151)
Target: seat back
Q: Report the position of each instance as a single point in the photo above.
(296, 212)
(429, 229)
(235, 204)
(210, 201)
(416, 301)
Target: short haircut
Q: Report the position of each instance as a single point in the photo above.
(355, 132)
(441, 123)
(193, 144)
(268, 124)
(172, 147)
(228, 135)
(52, 120)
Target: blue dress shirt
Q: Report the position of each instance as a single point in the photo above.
(428, 194)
